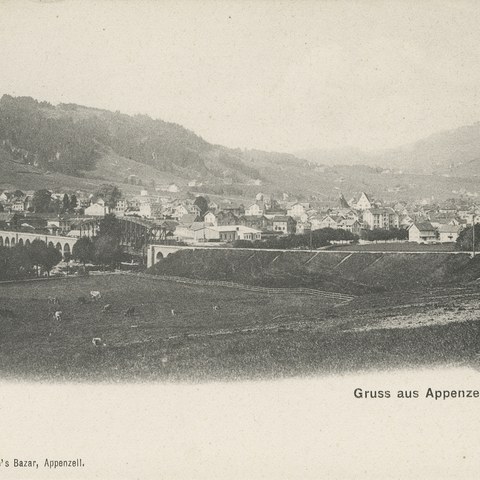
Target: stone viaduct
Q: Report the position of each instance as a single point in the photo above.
(61, 243)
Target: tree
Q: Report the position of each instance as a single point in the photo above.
(36, 251)
(110, 194)
(379, 234)
(107, 245)
(109, 225)
(20, 261)
(15, 262)
(465, 238)
(73, 202)
(66, 203)
(51, 257)
(83, 250)
(56, 205)
(107, 250)
(43, 256)
(41, 201)
(18, 194)
(202, 204)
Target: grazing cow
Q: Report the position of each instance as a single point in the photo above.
(98, 342)
(173, 312)
(95, 295)
(129, 311)
(57, 315)
(215, 308)
(6, 312)
(107, 308)
(53, 300)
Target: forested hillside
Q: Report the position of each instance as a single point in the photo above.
(70, 139)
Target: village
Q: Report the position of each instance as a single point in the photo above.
(190, 219)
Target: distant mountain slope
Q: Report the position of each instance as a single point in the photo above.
(442, 151)
(76, 148)
(454, 151)
(341, 156)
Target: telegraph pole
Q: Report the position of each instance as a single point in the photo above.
(473, 236)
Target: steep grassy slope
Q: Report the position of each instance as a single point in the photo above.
(357, 273)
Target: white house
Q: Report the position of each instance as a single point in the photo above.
(383, 218)
(210, 218)
(213, 206)
(205, 233)
(298, 210)
(97, 209)
(195, 209)
(120, 208)
(351, 225)
(364, 202)
(179, 211)
(18, 206)
(449, 233)
(422, 232)
(329, 221)
(255, 209)
(230, 233)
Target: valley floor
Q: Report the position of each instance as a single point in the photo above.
(251, 335)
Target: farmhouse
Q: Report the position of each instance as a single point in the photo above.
(255, 209)
(297, 210)
(97, 209)
(230, 233)
(422, 232)
(351, 225)
(449, 233)
(210, 218)
(284, 224)
(329, 221)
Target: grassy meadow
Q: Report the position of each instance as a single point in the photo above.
(251, 335)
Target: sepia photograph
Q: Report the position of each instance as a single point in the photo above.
(238, 239)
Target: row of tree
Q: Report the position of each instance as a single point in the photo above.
(23, 261)
(42, 202)
(380, 235)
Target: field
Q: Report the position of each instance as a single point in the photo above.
(252, 335)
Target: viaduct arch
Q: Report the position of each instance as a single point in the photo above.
(63, 244)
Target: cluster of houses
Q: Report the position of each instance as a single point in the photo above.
(226, 221)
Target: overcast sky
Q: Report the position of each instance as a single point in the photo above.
(273, 75)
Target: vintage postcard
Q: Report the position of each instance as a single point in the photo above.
(238, 239)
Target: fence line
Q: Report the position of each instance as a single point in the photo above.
(240, 286)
